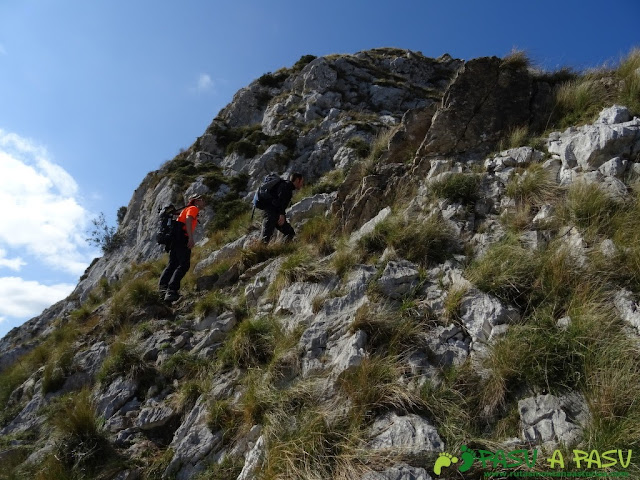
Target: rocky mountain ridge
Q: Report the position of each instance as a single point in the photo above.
(391, 301)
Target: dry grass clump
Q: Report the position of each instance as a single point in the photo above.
(259, 252)
(251, 344)
(588, 207)
(214, 302)
(321, 233)
(124, 359)
(516, 137)
(516, 59)
(629, 74)
(308, 436)
(419, 241)
(457, 187)
(389, 331)
(579, 100)
(300, 266)
(527, 278)
(375, 386)
(82, 449)
(452, 405)
(534, 186)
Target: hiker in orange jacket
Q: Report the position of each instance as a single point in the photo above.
(180, 252)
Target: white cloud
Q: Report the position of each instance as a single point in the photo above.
(204, 83)
(11, 263)
(46, 219)
(25, 299)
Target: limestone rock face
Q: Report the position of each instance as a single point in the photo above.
(487, 98)
(384, 138)
(590, 146)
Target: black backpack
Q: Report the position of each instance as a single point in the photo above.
(266, 193)
(168, 226)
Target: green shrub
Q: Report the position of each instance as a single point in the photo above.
(273, 79)
(102, 235)
(242, 147)
(288, 138)
(214, 302)
(238, 183)
(124, 360)
(303, 62)
(226, 211)
(329, 182)
(360, 145)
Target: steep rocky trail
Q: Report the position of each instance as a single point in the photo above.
(442, 291)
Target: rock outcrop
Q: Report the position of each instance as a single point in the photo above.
(345, 351)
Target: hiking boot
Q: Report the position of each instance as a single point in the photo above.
(171, 296)
(163, 289)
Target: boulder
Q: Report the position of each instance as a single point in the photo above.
(399, 472)
(590, 146)
(409, 434)
(108, 401)
(155, 416)
(398, 279)
(193, 444)
(548, 420)
(326, 342)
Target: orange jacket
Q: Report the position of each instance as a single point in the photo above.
(191, 211)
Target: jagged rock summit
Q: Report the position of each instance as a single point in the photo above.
(451, 285)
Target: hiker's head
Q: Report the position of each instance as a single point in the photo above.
(298, 180)
(197, 200)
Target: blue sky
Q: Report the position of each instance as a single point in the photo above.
(95, 94)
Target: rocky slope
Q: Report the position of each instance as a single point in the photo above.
(428, 256)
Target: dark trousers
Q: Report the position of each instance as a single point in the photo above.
(270, 223)
(178, 266)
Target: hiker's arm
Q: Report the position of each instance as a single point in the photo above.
(189, 224)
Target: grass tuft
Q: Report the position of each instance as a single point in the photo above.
(251, 344)
(457, 187)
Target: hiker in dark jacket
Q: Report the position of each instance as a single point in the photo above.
(180, 253)
(274, 215)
